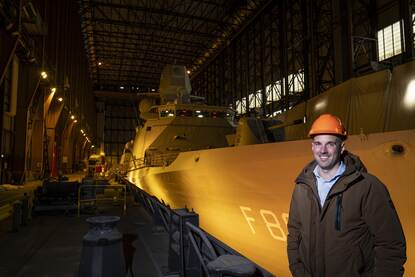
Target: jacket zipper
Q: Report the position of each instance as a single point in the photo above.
(338, 212)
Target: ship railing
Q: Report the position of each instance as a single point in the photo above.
(159, 210)
(160, 159)
(152, 160)
(92, 195)
(136, 164)
(193, 251)
(16, 202)
(218, 259)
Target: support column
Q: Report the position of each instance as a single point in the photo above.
(67, 147)
(406, 9)
(53, 111)
(283, 55)
(28, 83)
(342, 36)
(310, 76)
(100, 125)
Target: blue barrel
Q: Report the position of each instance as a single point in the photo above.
(102, 250)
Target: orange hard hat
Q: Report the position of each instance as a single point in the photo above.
(327, 124)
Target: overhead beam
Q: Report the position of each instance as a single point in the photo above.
(105, 71)
(157, 11)
(150, 26)
(136, 82)
(125, 95)
(150, 66)
(142, 48)
(163, 58)
(139, 37)
(127, 76)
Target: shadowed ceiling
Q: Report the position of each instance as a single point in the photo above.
(129, 41)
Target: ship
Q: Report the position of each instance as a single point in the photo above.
(239, 177)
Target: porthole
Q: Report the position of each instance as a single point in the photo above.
(397, 149)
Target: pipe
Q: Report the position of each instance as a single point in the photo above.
(19, 27)
(14, 86)
(11, 55)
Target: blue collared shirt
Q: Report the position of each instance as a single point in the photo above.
(324, 186)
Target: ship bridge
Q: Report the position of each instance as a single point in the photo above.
(194, 111)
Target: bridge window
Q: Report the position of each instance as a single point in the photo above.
(218, 114)
(167, 113)
(187, 113)
(202, 114)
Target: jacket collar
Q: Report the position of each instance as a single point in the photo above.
(354, 168)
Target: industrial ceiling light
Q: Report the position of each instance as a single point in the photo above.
(82, 131)
(60, 99)
(99, 63)
(53, 90)
(43, 74)
(188, 71)
(72, 117)
(75, 121)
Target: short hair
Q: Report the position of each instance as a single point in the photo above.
(340, 139)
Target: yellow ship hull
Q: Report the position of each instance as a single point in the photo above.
(242, 194)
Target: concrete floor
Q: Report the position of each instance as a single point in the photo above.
(51, 244)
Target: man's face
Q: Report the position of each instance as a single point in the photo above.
(327, 150)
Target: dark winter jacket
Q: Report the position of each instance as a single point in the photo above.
(356, 233)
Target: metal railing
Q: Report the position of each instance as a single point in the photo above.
(19, 210)
(137, 163)
(210, 250)
(188, 241)
(96, 193)
(9, 197)
(5, 211)
(151, 160)
(160, 159)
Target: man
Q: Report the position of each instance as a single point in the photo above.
(342, 220)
